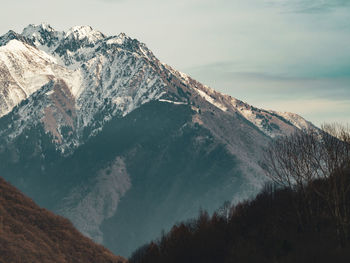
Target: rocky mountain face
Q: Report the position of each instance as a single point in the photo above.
(29, 233)
(96, 128)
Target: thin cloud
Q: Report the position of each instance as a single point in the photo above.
(310, 6)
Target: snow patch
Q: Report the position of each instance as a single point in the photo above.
(211, 100)
(84, 32)
(173, 102)
(116, 40)
(295, 119)
(30, 69)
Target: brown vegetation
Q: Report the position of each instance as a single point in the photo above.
(32, 234)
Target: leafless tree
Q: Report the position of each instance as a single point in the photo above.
(336, 169)
(300, 160)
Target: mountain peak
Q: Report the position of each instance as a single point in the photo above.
(44, 34)
(33, 30)
(84, 32)
(43, 26)
(11, 35)
(41, 34)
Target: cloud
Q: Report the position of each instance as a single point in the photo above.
(310, 6)
(112, 1)
(310, 106)
(229, 76)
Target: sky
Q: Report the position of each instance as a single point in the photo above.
(285, 55)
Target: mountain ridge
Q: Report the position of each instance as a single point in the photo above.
(50, 41)
(110, 124)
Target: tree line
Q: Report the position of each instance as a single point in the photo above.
(301, 215)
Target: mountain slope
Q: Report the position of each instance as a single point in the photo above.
(32, 234)
(112, 135)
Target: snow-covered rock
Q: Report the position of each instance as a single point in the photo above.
(114, 75)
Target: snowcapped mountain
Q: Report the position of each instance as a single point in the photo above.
(98, 73)
(96, 128)
(94, 71)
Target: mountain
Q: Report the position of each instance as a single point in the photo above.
(29, 233)
(97, 129)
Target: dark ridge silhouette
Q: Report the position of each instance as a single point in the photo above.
(303, 216)
(29, 233)
(266, 229)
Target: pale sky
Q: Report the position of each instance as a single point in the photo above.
(286, 55)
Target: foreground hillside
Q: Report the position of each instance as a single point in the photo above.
(32, 234)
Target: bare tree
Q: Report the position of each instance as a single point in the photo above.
(300, 160)
(288, 159)
(336, 169)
